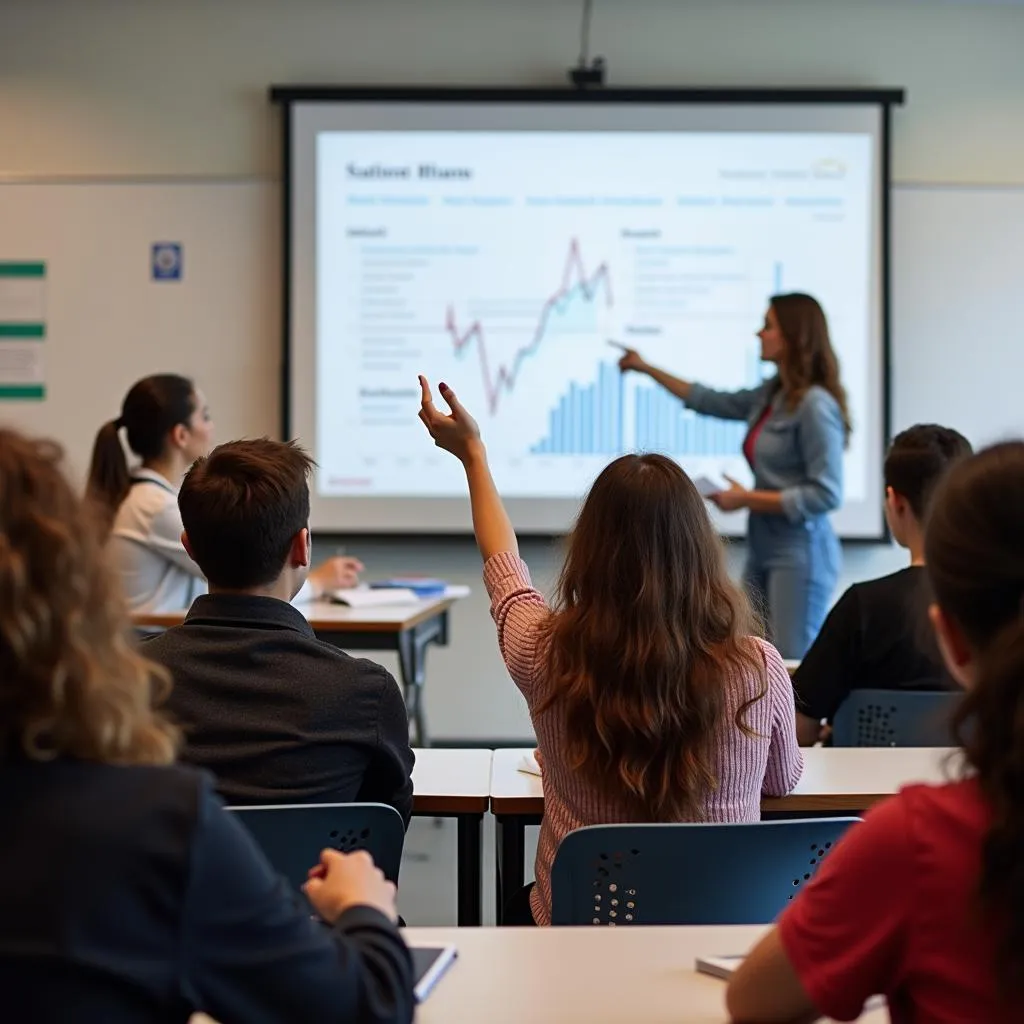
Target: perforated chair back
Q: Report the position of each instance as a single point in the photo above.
(692, 874)
(894, 718)
(292, 835)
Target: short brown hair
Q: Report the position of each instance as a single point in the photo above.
(241, 506)
(917, 459)
(70, 682)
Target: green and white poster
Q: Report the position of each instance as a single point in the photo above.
(22, 329)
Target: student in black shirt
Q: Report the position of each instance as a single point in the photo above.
(127, 894)
(277, 715)
(877, 635)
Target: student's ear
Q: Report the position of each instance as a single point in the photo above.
(301, 552)
(955, 650)
(185, 544)
(179, 435)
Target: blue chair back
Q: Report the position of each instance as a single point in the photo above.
(894, 718)
(292, 835)
(694, 874)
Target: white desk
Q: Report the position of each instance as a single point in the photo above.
(407, 629)
(456, 784)
(582, 975)
(846, 780)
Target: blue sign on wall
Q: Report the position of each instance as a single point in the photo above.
(166, 261)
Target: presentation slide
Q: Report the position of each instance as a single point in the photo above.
(514, 264)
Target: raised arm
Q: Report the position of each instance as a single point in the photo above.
(458, 433)
(517, 607)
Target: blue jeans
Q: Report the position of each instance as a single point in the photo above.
(791, 573)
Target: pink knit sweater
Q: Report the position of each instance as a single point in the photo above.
(768, 763)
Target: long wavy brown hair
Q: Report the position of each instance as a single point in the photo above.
(646, 632)
(808, 357)
(974, 552)
(70, 682)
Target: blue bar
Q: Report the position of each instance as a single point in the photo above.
(588, 421)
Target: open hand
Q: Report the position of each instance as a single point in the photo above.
(336, 573)
(343, 880)
(456, 433)
(732, 499)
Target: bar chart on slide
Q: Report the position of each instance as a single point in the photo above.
(662, 424)
(587, 420)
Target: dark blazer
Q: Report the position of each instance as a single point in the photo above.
(279, 716)
(128, 895)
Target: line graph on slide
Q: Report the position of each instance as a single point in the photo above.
(575, 283)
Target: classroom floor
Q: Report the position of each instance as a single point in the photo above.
(426, 895)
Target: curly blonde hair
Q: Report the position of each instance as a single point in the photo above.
(71, 683)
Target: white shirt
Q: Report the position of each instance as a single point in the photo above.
(145, 548)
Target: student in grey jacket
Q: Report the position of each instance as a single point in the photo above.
(799, 425)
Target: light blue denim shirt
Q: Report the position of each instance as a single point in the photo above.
(798, 453)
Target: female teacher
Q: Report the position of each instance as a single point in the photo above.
(798, 428)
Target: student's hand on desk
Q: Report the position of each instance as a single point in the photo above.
(732, 499)
(335, 574)
(344, 880)
(457, 433)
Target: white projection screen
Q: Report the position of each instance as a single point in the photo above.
(499, 240)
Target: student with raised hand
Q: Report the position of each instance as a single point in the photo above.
(167, 426)
(129, 893)
(275, 713)
(924, 902)
(877, 635)
(650, 699)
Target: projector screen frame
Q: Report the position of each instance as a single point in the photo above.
(286, 96)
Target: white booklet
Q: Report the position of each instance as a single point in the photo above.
(706, 485)
(367, 597)
(718, 966)
(725, 966)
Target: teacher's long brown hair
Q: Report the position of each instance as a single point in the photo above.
(974, 551)
(808, 357)
(646, 631)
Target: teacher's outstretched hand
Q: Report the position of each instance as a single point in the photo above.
(456, 432)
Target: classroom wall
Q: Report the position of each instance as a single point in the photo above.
(123, 90)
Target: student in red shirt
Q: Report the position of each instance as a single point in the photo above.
(924, 902)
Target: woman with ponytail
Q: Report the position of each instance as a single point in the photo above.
(166, 424)
(924, 902)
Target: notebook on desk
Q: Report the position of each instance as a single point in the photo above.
(725, 966)
(366, 597)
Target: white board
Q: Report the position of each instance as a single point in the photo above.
(108, 323)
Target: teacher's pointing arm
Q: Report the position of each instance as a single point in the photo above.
(725, 405)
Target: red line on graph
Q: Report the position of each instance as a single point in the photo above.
(574, 275)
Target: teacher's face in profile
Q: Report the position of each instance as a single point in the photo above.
(773, 343)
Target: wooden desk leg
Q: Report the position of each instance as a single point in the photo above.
(470, 870)
(510, 851)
